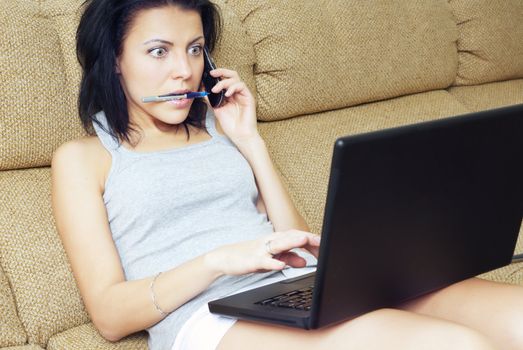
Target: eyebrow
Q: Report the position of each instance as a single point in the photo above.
(158, 41)
(168, 42)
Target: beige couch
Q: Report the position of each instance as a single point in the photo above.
(320, 69)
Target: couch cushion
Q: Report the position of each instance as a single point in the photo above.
(519, 245)
(11, 330)
(509, 274)
(33, 259)
(490, 41)
(301, 147)
(235, 50)
(38, 100)
(490, 95)
(86, 337)
(314, 56)
(24, 347)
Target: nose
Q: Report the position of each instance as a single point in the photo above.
(181, 67)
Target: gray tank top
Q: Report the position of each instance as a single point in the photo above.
(167, 207)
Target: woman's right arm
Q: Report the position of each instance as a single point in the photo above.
(116, 307)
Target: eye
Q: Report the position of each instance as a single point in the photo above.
(195, 50)
(158, 52)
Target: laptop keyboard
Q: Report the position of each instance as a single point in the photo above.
(300, 299)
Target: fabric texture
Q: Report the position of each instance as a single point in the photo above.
(235, 50)
(11, 330)
(315, 56)
(39, 88)
(301, 147)
(509, 274)
(33, 259)
(86, 337)
(167, 207)
(489, 95)
(490, 44)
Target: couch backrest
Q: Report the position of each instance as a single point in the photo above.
(490, 41)
(300, 56)
(313, 55)
(38, 81)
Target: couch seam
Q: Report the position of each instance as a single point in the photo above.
(15, 302)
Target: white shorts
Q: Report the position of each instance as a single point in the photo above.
(204, 331)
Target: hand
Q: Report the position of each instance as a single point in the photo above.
(258, 255)
(237, 115)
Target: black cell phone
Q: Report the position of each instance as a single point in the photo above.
(209, 81)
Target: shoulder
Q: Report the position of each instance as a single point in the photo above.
(84, 150)
(84, 157)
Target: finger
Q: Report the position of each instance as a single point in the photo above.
(284, 243)
(272, 264)
(314, 240)
(292, 259)
(315, 251)
(221, 85)
(313, 245)
(296, 233)
(224, 84)
(224, 73)
(237, 87)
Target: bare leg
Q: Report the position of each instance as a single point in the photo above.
(493, 309)
(381, 329)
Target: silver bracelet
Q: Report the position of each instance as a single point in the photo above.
(153, 297)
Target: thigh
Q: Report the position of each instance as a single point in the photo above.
(381, 329)
(494, 309)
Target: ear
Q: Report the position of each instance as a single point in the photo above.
(117, 67)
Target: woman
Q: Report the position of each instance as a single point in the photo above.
(167, 205)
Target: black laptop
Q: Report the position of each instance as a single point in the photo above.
(409, 210)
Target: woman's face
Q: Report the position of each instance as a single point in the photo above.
(162, 53)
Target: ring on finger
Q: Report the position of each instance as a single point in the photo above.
(268, 247)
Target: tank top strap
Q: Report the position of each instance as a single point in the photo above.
(210, 123)
(102, 129)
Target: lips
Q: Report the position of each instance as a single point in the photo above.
(180, 103)
(177, 92)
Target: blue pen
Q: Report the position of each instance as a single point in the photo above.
(169, 97)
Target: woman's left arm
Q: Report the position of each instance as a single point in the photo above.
(237, 118)
(273, 195)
